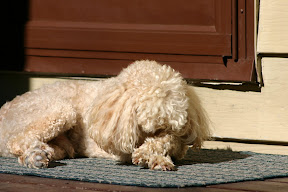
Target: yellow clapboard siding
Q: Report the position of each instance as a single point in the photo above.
(252, 115)
(273, 27)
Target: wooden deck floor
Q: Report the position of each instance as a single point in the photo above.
(16, 183)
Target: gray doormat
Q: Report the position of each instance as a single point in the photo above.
(198, 168)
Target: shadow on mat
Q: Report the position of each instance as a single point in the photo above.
(204, 156)
(54, 164)
(210, 156)
(192, 157)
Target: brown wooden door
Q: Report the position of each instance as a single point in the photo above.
(103, 36)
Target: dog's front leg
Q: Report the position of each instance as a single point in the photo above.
(156, 152)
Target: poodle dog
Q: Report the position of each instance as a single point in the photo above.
(147, 115)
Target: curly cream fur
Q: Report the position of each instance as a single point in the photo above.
(147, 114)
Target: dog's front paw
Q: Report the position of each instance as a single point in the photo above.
(139, 158)
(158, 162)
(154, 162)
(38, 157)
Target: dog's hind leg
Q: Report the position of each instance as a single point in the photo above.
(39, 154)
(62, 146)
(35, 146)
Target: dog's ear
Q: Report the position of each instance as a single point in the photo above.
(197, 127)
(112, 121)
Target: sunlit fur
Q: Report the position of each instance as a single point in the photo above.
(147, 114)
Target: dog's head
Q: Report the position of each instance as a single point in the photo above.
(144, 99)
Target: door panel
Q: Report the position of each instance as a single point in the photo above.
(173, 32)
(148, 26)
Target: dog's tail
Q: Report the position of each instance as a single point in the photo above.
(3, 139)
(3, 111)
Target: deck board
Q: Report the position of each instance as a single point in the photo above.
(280, 180)
(19, 183)
(263, 186)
